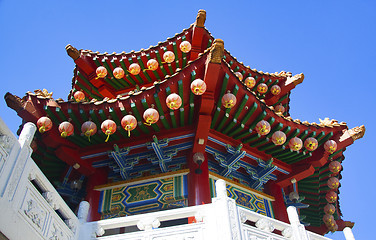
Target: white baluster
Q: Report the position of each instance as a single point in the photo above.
(348, 233)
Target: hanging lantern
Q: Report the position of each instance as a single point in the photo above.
(173, 101)
(66, 129)
(250, 82)
(198, 87)
(129, 123)
(108, 127)
(333, 183)
(228, 100)
(262, 88)
(118, 73)
(329, 209)
(185, 46)
(279, 108)
(152, 64)
(101, 72)
(275, 89)
(79, 96)
(44, 124)
(328, 219)
(311, 144)
(330, 146)
(335, 167)
(169, 57)
(239, 75)
(331, 197)
(88, 128)
(333, 228)
(151, 116)
(279, 138)
(263, 127)
(134, 69)
(295, 144)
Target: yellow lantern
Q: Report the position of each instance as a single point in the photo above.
(275, 89)
(151, 116)
(66, 129)
(101, 72)
(185, 46)
(250, 82)
(279, 138)
(263, 127)
(198, 87)
(152, 64)
(262, 88)
(134, 69)
(295, 144)
(44, 124)
(88, 128)
(169, 57)
(173, 101)
(118, 73)
(311, 144)
(330, 146)
(108, 127)
(228, 100)
(129, 123)
(239, 75)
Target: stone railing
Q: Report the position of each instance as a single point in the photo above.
(30, 206)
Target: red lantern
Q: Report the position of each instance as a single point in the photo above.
(228, 100)
(169, 57)
(331, 197)
(118, 73)
(151, 116)
(333, 183)
(335, 167)
(262, 88)
(263, 127)
(152, 64)
(44, 124)
(101, 72)
(134, 69)
(129, 123)
(329, 209)
(295, 144)
(279, 138)
(79, 96)
(198, 87)
(275, 90)
(88, 128)
(250, 82)
(185, 46)
(311, 144)
(328, 219)
(173, 101)
(239, 75)
(279, 108)
(66, 129)
(330, 146)
(333, 228)
(108, 127)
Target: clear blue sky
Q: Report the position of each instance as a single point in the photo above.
(331, 42)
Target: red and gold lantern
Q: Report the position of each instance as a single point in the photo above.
(279, 138)
(311, 144)
(329, 209)
(151, 116)
(185, 46)
(239, 75)
(173, 101)
(262, 88)
(331, 197)
(44, 124)
(118, 73)
(335, 167)
(263, 127)
(333, 228)
(152, 64)
(250, 82)
(228, 100)
(129, 123)
(79, 96)
(108, 127)
(328, 219)
(330, 146)
(88, 128)
(198, 87)
(279, 108)
(134, 69)
(169, 57)
(66, 129)
(275, 89)
(295, 144)
(101, 72)
(333, 183)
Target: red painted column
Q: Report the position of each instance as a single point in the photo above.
(92, 196)
(279, 207)
(198, 184)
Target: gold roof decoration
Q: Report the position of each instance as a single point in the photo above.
(357, 132)
(43, 93)
(328, 123)
(296, 79)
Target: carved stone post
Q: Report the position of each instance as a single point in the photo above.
(348, 233)
(27, 134)
(298, 229)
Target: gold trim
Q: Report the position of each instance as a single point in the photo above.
(254, 191)
(141, 179)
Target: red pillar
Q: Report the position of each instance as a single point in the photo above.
(92, 196)
(279, 207)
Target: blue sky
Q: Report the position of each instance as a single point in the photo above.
(331, 42)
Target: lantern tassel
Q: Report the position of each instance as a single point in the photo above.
(108, 136)
(129, 133)
(42, 129)
(146, 123)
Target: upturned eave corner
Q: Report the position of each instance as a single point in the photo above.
(72, 52)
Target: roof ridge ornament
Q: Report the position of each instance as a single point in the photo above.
(72, 52)
(357, 132)
(200, 19)
(217, 51)
(296, 79)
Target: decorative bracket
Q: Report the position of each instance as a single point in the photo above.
(125, 164)
(161, 156)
